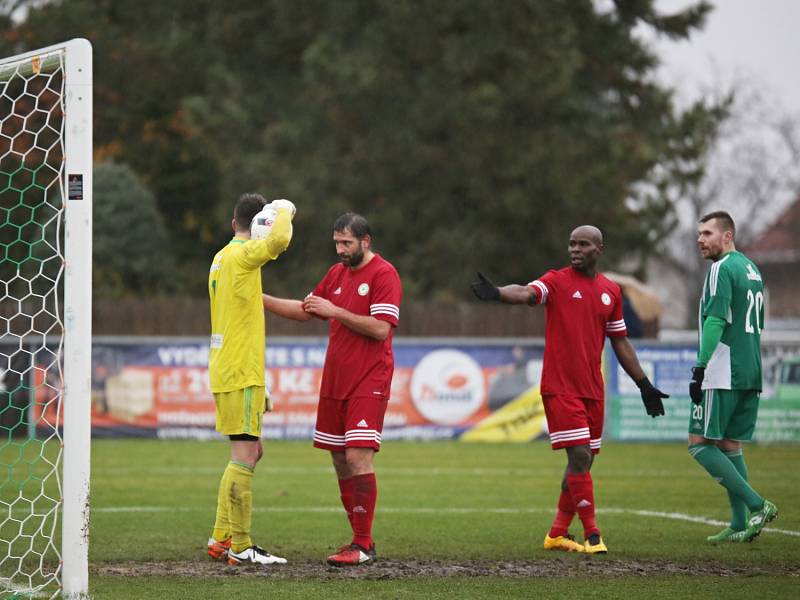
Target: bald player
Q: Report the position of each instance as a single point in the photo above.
(582, 308)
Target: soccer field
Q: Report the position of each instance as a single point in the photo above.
(454, 520)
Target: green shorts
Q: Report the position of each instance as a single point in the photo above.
(240, 411)
(725, 415)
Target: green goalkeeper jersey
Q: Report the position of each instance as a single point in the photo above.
(733, 291)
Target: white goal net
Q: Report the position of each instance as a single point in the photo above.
(45, 320)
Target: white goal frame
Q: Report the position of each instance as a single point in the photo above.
(76, 193)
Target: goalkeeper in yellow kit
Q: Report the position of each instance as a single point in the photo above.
(236, 369)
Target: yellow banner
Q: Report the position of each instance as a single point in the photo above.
(520, 420)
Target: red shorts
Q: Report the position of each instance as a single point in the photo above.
(573, 421)
(353, 423)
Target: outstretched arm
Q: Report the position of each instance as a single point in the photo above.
(517, 294)
(651, 395)
(484, 289)
(290, 309)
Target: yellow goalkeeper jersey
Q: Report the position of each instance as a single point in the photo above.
(236, 359)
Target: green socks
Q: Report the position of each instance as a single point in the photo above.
(724, 472)
(738, 507)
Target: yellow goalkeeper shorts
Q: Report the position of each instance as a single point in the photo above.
(240, 411)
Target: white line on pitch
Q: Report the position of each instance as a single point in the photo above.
(674, 516)
(173, 471)
(684, 517)
(325, 469)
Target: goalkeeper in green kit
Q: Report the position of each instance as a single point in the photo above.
(726, 381)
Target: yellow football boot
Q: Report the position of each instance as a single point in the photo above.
(564, 543)
(595, 548)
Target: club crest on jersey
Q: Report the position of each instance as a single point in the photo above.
(363, 289)
(605, 299)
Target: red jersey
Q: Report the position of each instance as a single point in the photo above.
(355, 364)
(580, 312)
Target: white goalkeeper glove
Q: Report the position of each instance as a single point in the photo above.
(283, 203)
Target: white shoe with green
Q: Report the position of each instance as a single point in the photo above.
(759, 519)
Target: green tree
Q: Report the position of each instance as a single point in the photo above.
(131, 253)
(472, 134)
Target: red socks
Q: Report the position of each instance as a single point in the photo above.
(365, 494)
(564, 514)
(346, 491)
(582, 492)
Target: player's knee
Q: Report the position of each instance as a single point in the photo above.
(251, 458)
(359, 460)
(694, 440)
(729, 445)
(579, 458)
(357, 466)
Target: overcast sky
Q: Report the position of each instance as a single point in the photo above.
(749, 45)
(743, 40)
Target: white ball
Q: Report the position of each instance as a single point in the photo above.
(261, 225)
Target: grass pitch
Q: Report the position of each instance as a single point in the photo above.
(454, 520)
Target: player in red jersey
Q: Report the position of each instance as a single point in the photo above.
(582, 308)
(361, 297)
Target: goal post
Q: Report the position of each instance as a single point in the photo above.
(77, 317)
(45, 320)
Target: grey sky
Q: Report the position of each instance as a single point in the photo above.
(743, 40)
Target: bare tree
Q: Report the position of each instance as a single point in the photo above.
(749, 167)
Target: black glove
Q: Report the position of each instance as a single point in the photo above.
(485, 289)
(696, 384)
(651, 396)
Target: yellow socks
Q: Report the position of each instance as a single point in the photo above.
(234, 506)
(240, 504)
(222, 523)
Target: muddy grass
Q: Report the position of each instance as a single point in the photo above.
(396, 569)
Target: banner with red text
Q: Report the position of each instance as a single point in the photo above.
(438, 391)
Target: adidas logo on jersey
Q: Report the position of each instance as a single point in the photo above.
(577, 294)
(751, 273)
(362, 423)
(583, 504)
(338, 290)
